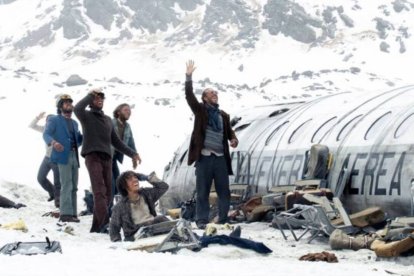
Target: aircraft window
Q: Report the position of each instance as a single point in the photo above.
(278, 112)
(377, 126)
(239, 128)
(406, 124)
(274, 132)
(235, 120)
(324, 128)
(298, 131)
(347, 127)
(182, 157)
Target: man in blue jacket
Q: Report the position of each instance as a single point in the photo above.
(62, 133)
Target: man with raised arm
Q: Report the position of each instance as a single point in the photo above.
(99, 134)
(209, 149)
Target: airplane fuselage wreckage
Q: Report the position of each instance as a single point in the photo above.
(370, 139)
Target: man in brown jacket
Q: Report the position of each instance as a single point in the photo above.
(209, 148)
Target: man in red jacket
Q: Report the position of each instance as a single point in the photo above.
(209, 148)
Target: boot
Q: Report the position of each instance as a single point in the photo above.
(57, 202)
(392, 249)
(68, 218)
(340, 240)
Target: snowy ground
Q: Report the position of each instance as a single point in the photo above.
(85, 253)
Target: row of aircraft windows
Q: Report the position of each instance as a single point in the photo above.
(375, 127)
(326, 126)
(372, 131)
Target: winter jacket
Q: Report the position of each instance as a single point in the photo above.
(98, 130)
(200, 125)
(128, 139)
(57, 129)
(121, 217)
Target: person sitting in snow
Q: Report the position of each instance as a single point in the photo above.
(137, 205)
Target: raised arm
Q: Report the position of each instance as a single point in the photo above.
(80, 107)
(34, 124)
(159, 188)
(189, 93)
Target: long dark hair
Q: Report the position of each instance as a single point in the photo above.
(121, 182)
(118, 109)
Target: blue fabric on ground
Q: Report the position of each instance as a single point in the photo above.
(239, 242)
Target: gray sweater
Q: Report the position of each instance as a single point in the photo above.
(98, 131)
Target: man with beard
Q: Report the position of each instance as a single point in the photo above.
(209, 148)
(62, 134)
(121, 115)
(99, 135)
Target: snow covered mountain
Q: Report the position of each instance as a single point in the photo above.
(264, 44)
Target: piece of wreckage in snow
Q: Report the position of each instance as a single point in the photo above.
(169, 236)
(370, 137)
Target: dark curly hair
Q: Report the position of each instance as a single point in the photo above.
(118, 109)
(121, 182)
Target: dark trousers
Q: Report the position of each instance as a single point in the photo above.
(209, 168)
(100, 173)
(45, 167)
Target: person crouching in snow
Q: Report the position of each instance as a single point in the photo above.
(137, 205)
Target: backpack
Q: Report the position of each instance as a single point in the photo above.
(31, 248)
